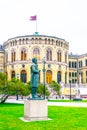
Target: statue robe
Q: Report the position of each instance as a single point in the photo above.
(34, 75)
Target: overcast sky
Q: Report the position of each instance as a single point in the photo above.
(66, 19)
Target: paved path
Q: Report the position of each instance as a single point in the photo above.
(75, 104)
(72, 104)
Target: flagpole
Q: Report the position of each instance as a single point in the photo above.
(34, 18)
(36, 24)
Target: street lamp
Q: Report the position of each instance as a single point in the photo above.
(17, 75)
(44, 62)
(80, 77)
(70, 88)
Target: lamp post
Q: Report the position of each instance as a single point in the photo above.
(80, 77)
(44, 62)
(17, 75)
(70, 88)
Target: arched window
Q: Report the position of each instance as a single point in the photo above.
(48, 76)
(45, 40)
(13, 56)
(32, 40)
(15, 42)
(6, 57)
(13, 74)
(36, 40)
(23, 76)
(65, 57)
(59, 56)
(52, 41)
(23, 41)
(36, 53)
(23, 54)
(49, 55)
(58, 77)
(19, 41)
(27, 40)
(40, 40)
(48, 41)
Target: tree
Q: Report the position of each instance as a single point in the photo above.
(55, 86)
(40, 90)
(18, 87)
(3, 88)
(12, 87)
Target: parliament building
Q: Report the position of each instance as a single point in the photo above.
(52, 53)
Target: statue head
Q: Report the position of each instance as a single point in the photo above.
(34, 60)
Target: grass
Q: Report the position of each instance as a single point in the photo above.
(67, 101)
(63, 118)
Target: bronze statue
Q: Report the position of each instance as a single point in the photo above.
(34, 77)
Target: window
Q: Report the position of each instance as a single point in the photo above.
(58, 77)
(49, 65)
(19, 41)
(65, 57)
(13, 56)
(86, 62)
(86, 73)
(72, 74)
(45, 40)
(69, 74)
(75, 74)
(49, 55)
(23, 76)
(6, 57)
(48, 76)
(27, 41)
(80, 64)
(72, 64)
(75, 64)
(23, 54)
(48, 41)
(36, 53)
(13, 74)
(69, 64)
(59, 56)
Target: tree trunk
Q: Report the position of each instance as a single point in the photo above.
(3, 98)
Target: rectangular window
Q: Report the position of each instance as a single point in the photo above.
(86, 73)
(75, 74)
(86, 62)
(72, 74)
(72, 64)
(69, 64)
(72, 80)
(69, 74)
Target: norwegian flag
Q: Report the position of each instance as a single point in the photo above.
(33, 18)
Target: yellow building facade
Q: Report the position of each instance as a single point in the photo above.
(78, 68)
(19, 52)
(2, 65)
(52, 54)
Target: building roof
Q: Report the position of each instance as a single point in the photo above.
(36, 35)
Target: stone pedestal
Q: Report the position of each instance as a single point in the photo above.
(35, 110)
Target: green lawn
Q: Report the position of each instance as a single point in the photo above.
(63, 118)
(67, 101)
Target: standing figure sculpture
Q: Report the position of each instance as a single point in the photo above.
(34, 77)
